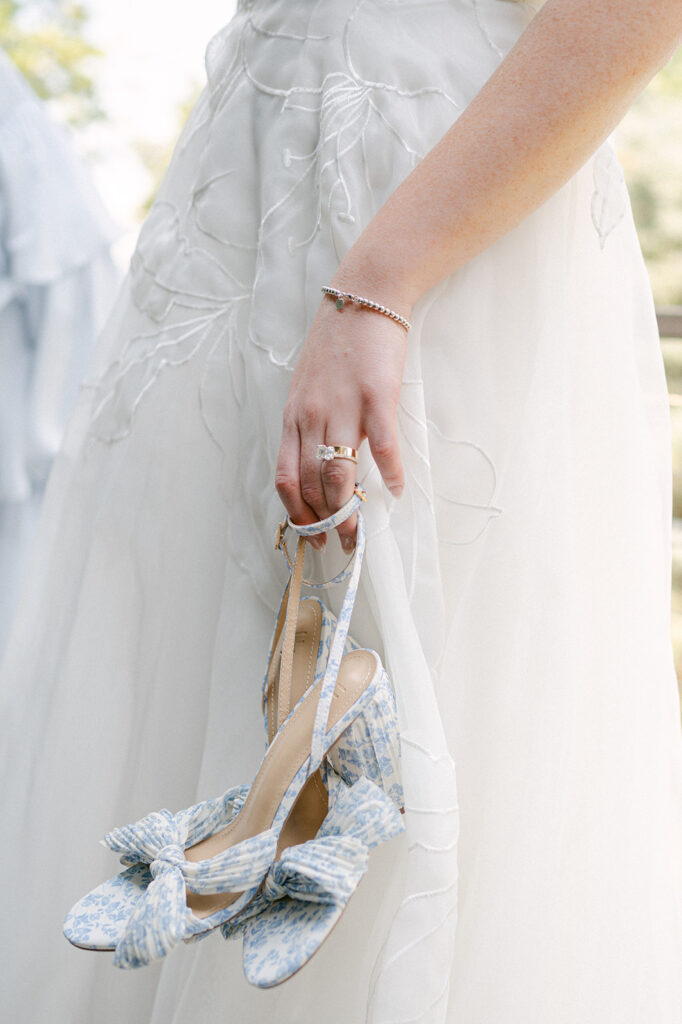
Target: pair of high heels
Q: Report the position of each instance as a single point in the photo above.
(275, 862)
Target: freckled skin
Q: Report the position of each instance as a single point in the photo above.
(553, 100)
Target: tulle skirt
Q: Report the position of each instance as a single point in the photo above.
(518, 591)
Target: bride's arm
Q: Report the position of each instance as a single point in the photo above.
(554, 98)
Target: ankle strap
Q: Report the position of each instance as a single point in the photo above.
(290, 622)
(311, 529)
(290, 599)
(332, 521)
(328, 685)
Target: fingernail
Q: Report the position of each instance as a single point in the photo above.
(318, 542)
(347, 543)
(396, 491)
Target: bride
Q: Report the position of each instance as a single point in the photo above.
(447, 161)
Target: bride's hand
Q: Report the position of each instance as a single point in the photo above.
(344, 390)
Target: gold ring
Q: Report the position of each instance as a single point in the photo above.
(327, 452)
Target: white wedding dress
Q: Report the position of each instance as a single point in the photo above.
(519, 590)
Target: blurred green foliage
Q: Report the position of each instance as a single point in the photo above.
(649, 144)
(48, 44)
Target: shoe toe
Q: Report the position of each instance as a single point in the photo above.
(98, 919)
(281, 940)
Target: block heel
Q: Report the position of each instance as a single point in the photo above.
(370, 747)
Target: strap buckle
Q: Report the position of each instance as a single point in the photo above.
(279, 537)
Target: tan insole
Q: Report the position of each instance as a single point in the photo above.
(287, 752)
(310, 809)
(306, 643)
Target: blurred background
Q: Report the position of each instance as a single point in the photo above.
(121, 78)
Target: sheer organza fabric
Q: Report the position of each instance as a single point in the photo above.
(518, 591)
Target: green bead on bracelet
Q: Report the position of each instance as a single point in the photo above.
(341, 297)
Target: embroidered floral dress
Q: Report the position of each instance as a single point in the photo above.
(518, 591)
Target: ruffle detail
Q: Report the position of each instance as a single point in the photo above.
(161, 918)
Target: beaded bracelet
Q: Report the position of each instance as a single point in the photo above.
(342, 296)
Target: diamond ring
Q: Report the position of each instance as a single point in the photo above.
(327, 452)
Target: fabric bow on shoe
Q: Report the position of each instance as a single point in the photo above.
(306, 891)
(328, 868)
(362, 811)
(323, 870)
(139, 842)
(162, 918)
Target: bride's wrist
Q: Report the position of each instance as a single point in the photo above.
(372, 278)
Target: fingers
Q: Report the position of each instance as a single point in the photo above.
(338, 479)
(288, 480)
(382, 435)
(312, 489)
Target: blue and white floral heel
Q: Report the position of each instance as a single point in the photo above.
(98, 920)
(203, 878)
(307, 889)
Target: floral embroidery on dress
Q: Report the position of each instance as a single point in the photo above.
(205, 275)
